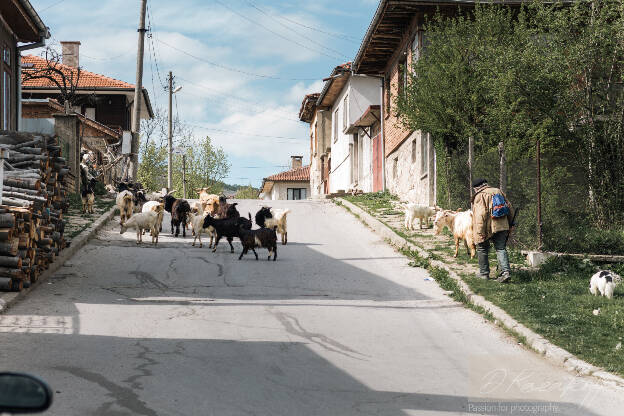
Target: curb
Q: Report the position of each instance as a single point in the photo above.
(539, 344)
(7, 299)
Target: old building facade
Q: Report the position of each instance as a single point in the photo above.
(293, 184)
(19, 23)
(395, 39)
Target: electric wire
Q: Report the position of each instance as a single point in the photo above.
(276, 33)
(295, 31)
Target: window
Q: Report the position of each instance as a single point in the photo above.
(424, 152)
(345, 112)
(387, 90)
(402, 75)
(336, 125)
(6, 55)
(416, 46)
(395, 167)
(414, 150)
(296, 193)
(6, 101)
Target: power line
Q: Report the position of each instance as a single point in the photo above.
(50, 6)
(234, 97)
(240, 133)
(274, 32)
(153, 48)
(294, 31)
(316, 29)
(229, 68)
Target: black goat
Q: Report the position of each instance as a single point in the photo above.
(179, 210)
(262, 215)
(139, 199)
(87, 192)
(263, 237)
(228, 228)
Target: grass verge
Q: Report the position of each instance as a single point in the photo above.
(555, 302)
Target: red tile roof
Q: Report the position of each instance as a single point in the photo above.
(299, 174)
(87, 80)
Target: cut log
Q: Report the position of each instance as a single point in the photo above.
(9, 248)
(7, 220)
(13, 262)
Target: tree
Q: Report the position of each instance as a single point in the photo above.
(66, 80)
(206, 164)
(542, 73)
(246, 192)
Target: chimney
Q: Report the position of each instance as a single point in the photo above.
(71, 53)
(296, 162)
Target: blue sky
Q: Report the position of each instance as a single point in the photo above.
(244, 65)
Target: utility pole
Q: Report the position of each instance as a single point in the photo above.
(170, 137)
(184, 175)
(138, 92)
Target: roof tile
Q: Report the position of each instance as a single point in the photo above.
(298, 174)
(87, 80)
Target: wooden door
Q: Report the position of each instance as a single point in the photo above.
(377, 164)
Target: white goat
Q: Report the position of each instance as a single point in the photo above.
(154, 206)
(460, 224)
(143, 221)
(197, 224)
(125, 203)
(279, 221)
(422, 212)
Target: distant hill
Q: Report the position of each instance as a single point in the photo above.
(230, 190)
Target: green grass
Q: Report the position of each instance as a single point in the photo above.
(555, 302)
(375, 202)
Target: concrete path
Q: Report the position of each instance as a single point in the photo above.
(339, 325)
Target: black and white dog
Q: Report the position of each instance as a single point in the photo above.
(604, 282)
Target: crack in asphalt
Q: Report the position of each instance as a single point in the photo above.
(147, 279)
(123, 396)
(142, 368)
(294, 327)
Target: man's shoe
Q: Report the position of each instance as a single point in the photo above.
(504, 278)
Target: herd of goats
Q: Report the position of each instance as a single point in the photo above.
(211, 214)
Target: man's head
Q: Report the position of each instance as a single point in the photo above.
(479, 182)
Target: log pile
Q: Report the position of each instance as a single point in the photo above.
(35, 197)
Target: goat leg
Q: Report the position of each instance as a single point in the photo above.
(214, 248)
(275, 252)
(229, 240)
(255, 254)
(456, 246)
(285, 238)
(242, 252)
(172, 226)
(183, 228)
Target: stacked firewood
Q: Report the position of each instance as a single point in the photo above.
(35, 196)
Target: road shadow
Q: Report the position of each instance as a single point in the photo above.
(103, 375)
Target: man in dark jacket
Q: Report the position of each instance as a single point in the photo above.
(488, 227)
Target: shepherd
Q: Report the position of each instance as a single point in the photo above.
(492, 221)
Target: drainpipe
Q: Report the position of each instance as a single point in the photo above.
(40, 44)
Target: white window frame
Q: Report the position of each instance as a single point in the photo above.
(345, 112)
(336, 124)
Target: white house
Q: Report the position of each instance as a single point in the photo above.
(292, 184)
(354, 104)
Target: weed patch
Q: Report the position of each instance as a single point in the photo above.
(555, 302)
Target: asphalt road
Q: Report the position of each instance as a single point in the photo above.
(339, 325)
